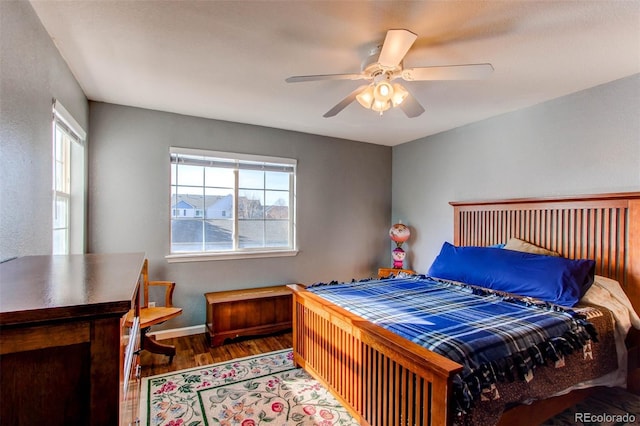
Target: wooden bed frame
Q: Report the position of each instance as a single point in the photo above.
(384, 379)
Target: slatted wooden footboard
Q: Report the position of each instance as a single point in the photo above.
(380, 377)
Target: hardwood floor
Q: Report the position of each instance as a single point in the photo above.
(194, 351)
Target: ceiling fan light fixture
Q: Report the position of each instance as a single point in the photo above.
(365, 98)
(383, 91)
(399, 94)
(380, 106)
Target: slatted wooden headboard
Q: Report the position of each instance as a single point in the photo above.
(605, 228)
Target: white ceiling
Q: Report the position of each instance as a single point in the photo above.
(228, 60)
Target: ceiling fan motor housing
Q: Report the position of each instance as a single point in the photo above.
(377, 72)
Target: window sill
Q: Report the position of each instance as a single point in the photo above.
(204, 257)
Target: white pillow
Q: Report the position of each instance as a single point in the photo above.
(608, 293)
(521, 245)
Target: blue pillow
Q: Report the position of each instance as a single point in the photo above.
(553, 279)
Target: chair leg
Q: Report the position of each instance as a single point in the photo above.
(152, 345)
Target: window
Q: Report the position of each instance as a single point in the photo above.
(68, 183)
(231, 205)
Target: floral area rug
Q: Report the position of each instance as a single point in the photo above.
(257, 390)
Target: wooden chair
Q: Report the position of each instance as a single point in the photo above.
(152, 315)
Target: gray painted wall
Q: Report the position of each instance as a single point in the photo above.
(584, 143)
(343, 190)
(33, 73)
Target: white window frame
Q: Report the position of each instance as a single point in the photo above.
(71, 168)
(237, 252)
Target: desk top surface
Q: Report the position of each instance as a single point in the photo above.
(46, 288)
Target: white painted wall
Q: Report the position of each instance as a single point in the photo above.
(584, 143)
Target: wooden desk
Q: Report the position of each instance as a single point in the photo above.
(61, 337)
(248, 312)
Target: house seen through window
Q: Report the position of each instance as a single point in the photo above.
(224, 202)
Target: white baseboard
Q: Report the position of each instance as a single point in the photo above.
(178, 332)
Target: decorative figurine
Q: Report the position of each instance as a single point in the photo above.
(398, 257)
(399, 233)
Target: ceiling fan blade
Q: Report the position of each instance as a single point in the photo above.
(344, 103)
(303, 78)
(450, 72)
(411, 106)
(396, 45)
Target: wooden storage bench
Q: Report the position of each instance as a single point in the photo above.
(248, 312)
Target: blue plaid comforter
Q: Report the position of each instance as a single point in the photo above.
(495, 337)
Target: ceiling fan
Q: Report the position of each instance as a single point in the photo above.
(383, 66)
